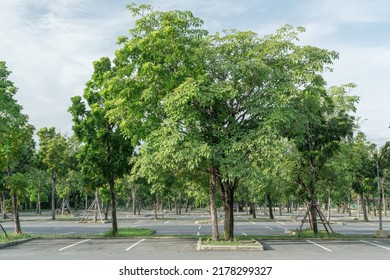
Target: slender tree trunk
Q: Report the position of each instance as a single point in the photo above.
(114, 222)
(155, 207)
(364, 206)
(313, 204)
(358, 206)
(280, 208)
(349, 204)
(106, 207)
(14, 200)
(96, 208)
(38, 206)
(213, 205)
(180, 203)
(18, 229)
(329, 207)
(269, 203)
(253, 210)
(187, 204)
(53, 196)
(134, 198)
(383, 197)
(86, 201)
(3, 208)
(76, 202)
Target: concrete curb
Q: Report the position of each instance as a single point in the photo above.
(15, 242)
(257, 247)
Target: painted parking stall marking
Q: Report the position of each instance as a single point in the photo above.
(377, 245)
(135, 244)
(318, 245)
(67, 247)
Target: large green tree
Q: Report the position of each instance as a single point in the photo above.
(202, 102)
(103, 145)
(15, 142)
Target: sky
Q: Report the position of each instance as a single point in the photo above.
(49, 45)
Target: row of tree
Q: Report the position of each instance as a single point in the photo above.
(222, 118)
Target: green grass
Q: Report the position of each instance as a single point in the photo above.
(12, 236)
(308, 233)
(235, 242)
(130, 233)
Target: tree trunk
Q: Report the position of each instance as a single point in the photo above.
(280, 208)
(253, 210)
(213, 205)
(53, 196)
(38, 205)
(364, 206)
(329, 206)
(180, 203)
(18, 229)
(155, 208)
(187, 204)
(227, 191)
(313, 204)
(96, 208)
(127, 203)
(383, 197)
(269, 202)
(134, 198)
(2, 206)
(114, 222)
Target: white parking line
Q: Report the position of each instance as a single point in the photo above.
(269, 228)
(132, 246)
(352, 228)
(243, 233)
(73, 245)
(318, 245)
(383, 247)
(138, 222)
(199, 227)
(280, 222)
(253, 222)
(166, 222)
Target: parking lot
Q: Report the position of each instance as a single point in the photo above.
(178, 237)
(185, 249)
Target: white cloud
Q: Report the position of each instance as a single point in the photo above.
(50, 45)
(348, 11)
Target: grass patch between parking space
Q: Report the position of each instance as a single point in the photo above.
(130, 233)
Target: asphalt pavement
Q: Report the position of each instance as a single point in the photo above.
(192, 226)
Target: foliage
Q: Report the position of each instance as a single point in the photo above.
(104, 154)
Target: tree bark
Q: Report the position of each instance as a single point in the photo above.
(14, 200)
(134, 198)
(364, 207)
(227, 190)
(53, 196)
(18, 229)
(213, 205)
(269, 202)
(313, 204)
(114, 222)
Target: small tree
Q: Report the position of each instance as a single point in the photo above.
(54, 157)
(104, 148)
